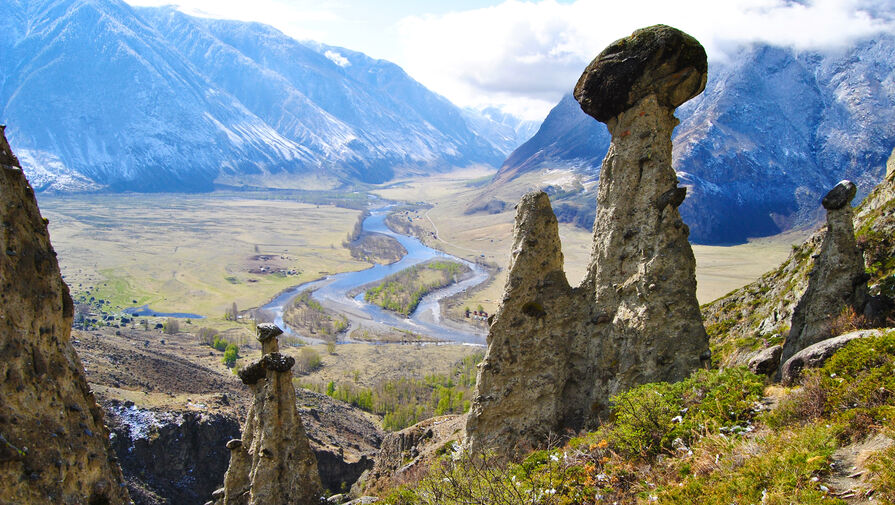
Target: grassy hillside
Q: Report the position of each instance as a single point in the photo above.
(758, 315)
(719, 437)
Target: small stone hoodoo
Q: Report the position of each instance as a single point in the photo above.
(54, 447)
(837, 281)
(273, 463)
(556, 354)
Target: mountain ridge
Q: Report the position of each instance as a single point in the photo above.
(98, 95)
(774, 128)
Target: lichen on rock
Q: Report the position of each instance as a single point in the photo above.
(556, 354)
(54, 447)
(273, 463)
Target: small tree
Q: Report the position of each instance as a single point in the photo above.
(172, 326)
(231, 355)
(308, 360)
(206, 336)
(330, 347)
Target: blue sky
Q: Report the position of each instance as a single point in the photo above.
(523, 55)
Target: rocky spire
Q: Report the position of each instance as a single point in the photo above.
(273, 463)
(54, 447)
(556, 354)
(642, 269)
(837, 280)
(521, 378)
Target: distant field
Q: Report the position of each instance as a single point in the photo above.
(194, 253)
(719, 270)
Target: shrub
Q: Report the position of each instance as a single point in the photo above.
(172, 326)
(206, 336)
(308, 360)
(647, 419)
(856, 387)
(882, 477)
(231, 354)
(219, 343)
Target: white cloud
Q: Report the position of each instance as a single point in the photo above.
(523, 55)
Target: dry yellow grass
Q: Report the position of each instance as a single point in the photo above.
(194, 253)
(718, 269)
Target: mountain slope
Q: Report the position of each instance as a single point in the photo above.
(151, 99)
(88, 85)
(773, 130)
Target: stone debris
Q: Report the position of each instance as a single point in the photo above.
(837, 281)
(54, 447)
(556, 353)
(273, 463)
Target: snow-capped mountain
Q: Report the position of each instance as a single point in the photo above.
(774, 130)
(152, 99)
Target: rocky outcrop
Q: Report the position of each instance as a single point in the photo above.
(407, 452)
(272, 464)
(556, 354)
(836, 282)
(815, 355)
(170, 457)
(54, 448)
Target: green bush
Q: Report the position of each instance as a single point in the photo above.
(856, 385)
(647, 419)
(231, 354)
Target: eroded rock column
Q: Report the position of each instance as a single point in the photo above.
(54, 447)
(557, 354)
(273, 463)
(642, 269)
(521, 378)
(836, 282)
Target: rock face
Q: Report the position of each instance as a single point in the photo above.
(556, 354)
(273, 463)
(54, 448)
(404, 453)
(180, 461)
(837, 280)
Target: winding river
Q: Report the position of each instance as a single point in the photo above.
(332, 292)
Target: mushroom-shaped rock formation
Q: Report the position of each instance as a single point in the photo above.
(273, 463)
(837, 281)
(54, 447)
(556, 354)
(658, 60)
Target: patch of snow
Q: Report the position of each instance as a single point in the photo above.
(337, 58)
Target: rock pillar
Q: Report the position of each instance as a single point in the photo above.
(556, 354)
(837, 281)
(273, 463)
(54, 447)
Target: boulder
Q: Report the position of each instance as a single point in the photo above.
(814, 356)
(658, 60)
(766, 361)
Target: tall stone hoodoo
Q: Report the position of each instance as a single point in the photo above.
(54, 448)
(837, 281)
(273, 463)
(556, 354)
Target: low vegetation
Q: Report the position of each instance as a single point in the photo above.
(211, 338)
(709, 439)
(406, 401)
(309, 316)
(402, 292)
